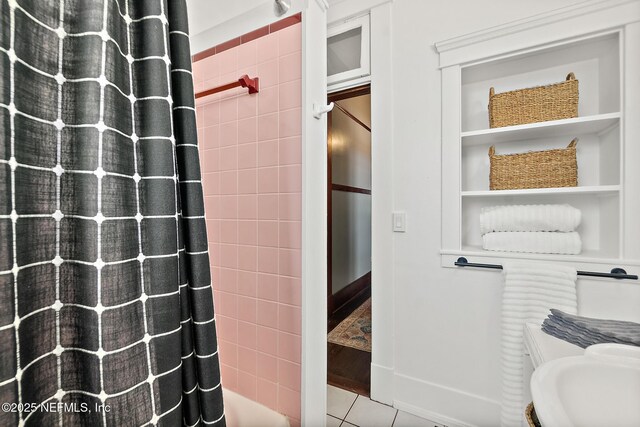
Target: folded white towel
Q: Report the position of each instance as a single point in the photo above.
(533, 242)
(530, 291)
(529, 218)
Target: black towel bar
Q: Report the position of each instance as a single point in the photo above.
(616, 273)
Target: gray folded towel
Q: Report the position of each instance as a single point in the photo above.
(575, 334)
(585, 331)
(578, 340)
(582, 331)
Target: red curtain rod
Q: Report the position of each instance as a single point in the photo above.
(243, 81)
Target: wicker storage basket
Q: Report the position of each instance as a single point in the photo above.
(535, 169)
(532, 418)
(536, 104)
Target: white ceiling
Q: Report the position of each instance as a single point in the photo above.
(205, 14)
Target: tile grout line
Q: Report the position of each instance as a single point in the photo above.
(350, 408)
(395, 417)
(345, 423)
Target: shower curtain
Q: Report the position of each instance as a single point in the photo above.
(106, 310)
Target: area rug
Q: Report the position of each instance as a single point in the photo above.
(355, 330)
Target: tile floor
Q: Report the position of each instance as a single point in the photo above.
(347, 409)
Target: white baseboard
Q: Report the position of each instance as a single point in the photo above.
(433, 401)
(382, 382)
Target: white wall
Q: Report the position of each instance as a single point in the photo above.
(351, 143)
(351, 212)
(447, 325)
(351, 238)
(205, 14)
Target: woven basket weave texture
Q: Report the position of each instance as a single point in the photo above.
(532, 418)
(536, 104)
(535, 169)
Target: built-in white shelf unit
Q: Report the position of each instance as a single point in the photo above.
(602, 53)
(567, 127)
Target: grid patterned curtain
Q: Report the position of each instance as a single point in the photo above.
(106, 310)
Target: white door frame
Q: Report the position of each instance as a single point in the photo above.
(314, 215)
(382, 205)
(314, 305)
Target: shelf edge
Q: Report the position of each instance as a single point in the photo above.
(600, 189)
(542, 125)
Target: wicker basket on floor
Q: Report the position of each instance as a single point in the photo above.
(536, 104)
(532, 418)
(535, 169)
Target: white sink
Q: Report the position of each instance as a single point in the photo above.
(601, 388)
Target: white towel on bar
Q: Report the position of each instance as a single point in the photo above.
(530, 291)
(529, 218)
(536, 242)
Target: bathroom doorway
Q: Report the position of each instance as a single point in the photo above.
(349, 240)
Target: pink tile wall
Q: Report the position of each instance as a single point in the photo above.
(251, 164)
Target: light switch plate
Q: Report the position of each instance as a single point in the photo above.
(399, 222)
